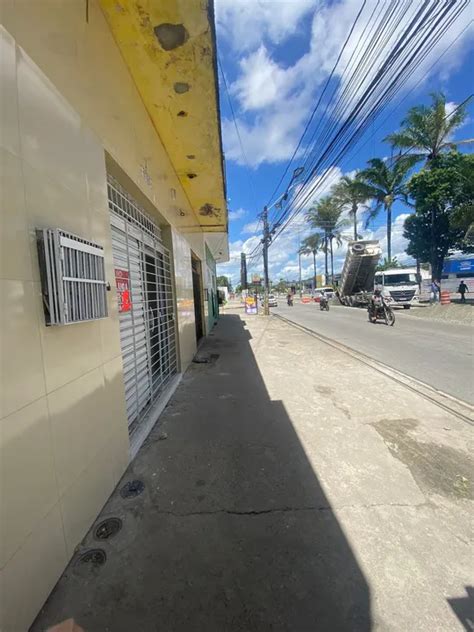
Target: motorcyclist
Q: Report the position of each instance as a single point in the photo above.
(323, 301)
(374, 302)
(289, 300)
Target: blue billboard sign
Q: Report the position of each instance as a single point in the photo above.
(453, 266)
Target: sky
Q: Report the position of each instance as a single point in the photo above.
(276, 56)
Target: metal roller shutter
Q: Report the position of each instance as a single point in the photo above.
(147, 326)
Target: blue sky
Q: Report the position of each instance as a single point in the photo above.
(276, 56)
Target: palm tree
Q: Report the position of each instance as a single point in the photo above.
(386, 183)
(326, 215)
(428, 129)
(311, 245)
(350, 193)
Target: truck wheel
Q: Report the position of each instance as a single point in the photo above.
(406, 306)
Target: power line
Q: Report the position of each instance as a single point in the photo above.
(409, 51)
(244, 155)
(318, 102)
(409, 59)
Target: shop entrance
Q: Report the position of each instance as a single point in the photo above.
(146, 304)
(197, 294)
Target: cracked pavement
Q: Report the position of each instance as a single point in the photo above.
(287, 487)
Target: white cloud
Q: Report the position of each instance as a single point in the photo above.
(251, 228)
(276, 100)
(244, 24)
(261, 82)
(270, 137)
(238, 214)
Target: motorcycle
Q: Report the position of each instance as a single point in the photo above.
(323, 304)
(381, 310)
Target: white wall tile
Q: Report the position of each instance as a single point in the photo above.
(31, 574)
(29, 490)
(50, 130)
(21, 364)
(80, 425)
(15, 257)
(184, 298)
(9, 129)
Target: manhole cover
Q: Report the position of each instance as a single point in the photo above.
(107, 528)
(95, 557)
(131, 489)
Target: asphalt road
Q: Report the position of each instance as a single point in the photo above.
(437, 353)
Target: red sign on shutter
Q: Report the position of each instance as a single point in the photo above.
(123, 290)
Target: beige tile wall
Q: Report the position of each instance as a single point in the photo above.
(184, 298)
(63, 427)
(52, 380)
(85, 65)
(197, 242)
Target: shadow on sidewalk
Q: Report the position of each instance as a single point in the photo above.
(233, 530)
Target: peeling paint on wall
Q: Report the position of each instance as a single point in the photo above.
(171, 36)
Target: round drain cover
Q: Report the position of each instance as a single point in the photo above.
(96, 557)
(131, 489)
(107, 528)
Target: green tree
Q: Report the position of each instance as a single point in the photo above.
(281, 286)
(444, 196)
(311, 245)
(388, 265)
(326, 216)
(350, 194)
(223, 281)
(428, 130)
(386, 183)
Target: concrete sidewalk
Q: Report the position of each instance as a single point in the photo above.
(287, 487)
(454, 312)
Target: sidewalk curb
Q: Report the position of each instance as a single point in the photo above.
(461, 409)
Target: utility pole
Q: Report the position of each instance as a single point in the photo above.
(243, 271)
(299, 261)
(299, 265)
(266, 243)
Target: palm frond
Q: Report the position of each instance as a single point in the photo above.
(372, 214)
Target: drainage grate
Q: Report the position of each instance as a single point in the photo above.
(95, 557)
(132, 489)
(107, 528)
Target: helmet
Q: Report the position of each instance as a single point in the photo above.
(377, 292)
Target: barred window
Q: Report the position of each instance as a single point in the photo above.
(72, 277)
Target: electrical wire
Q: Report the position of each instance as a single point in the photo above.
(239, 137)
(422, 33)
(318, 102)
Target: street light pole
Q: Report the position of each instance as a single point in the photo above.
(266, 243)
(267, 237)
(299, 264)
(299, 261)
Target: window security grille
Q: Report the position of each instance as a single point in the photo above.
(123, 204)
(72, 277)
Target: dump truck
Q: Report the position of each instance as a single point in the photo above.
(357, 278)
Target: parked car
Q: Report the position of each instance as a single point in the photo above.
(272, 301)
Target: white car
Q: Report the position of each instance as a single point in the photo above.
(328, 291)
(272, 302)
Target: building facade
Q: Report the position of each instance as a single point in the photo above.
(113, 216)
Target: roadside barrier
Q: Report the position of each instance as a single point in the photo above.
(306, 299)
(445, 297)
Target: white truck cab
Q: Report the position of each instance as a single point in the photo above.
(399, 286)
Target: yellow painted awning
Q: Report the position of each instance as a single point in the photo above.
(170, 49)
